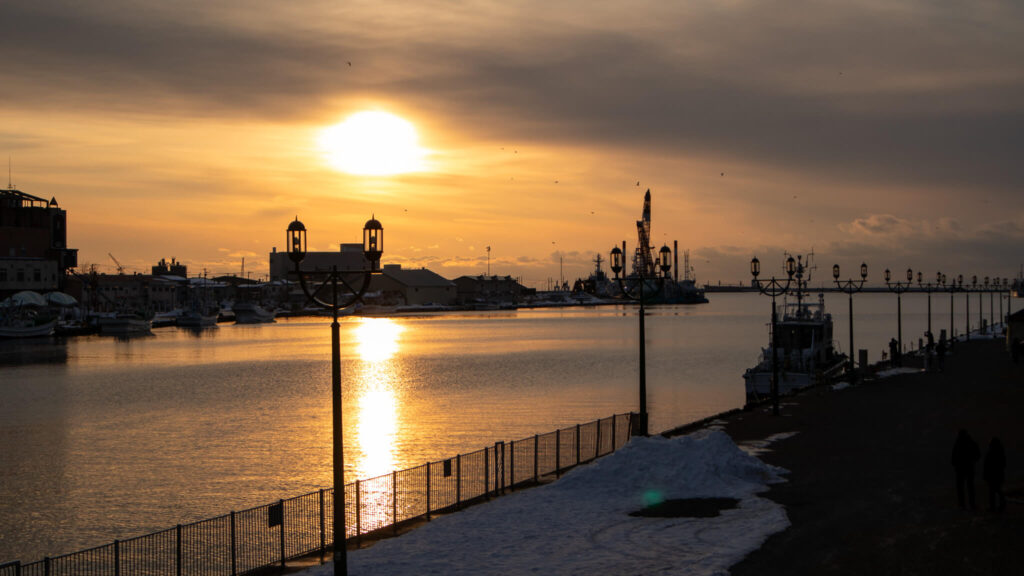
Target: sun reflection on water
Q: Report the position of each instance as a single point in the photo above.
(378, 403)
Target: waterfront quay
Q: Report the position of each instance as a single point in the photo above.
(871, 487)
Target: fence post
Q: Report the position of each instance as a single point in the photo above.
(323, 531)
(614, 418)
(46, 566)
(536, 458)
(458, 480)
(281, 504)
(394, 500)
(117, 557)
(487, 471)
(577, 444)
(558, 453)
(177, 552)
(597, 440)
(234, 559)
(359, 516)
(428, 491)
(501, 468)
(512, 467)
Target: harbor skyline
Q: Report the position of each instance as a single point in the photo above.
(865, 132)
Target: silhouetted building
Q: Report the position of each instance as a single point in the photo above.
(33, 243)
(489, 290)
(175, 268)
(412, 287)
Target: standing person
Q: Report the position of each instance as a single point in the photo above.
(965, 454)
(993, 470)
(940, 352)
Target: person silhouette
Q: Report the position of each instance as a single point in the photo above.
(993, 470)
(965, 454)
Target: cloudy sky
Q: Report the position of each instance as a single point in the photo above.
(884, 132)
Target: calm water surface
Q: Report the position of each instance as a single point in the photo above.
(103, 439)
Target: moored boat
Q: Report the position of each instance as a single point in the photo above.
(27, 329)
(123, 324)
(803, 347)
(251, 313)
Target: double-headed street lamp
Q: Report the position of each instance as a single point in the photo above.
(928, 288)
(373, 247)
(851, 287)
(617, 265)
(899, 288)
(774, 287)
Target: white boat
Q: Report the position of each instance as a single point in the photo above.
(124, 325)
(251, 313)
(806, 353)
(27, 328)
(198, 318)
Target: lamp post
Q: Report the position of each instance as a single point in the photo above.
(373, 246)
(899, 288)
(928, 288)
(1002, 318)
(617, 265)
(851, 287)
(774, 287)
(952, 288)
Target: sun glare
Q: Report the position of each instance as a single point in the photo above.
(372, 143)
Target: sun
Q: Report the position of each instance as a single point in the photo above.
(372, 143)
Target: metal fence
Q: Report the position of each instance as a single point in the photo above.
(260, 538)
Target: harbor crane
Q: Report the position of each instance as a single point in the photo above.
(120, 269)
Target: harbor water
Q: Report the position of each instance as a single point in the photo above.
(103, 438)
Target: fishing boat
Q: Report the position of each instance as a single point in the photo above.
(805, 353)
(124, 324)
(26, 328)
(251, 313)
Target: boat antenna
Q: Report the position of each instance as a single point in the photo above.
(10, 186)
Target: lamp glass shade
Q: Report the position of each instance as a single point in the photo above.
(835, 271)
(755, 267)
(373, 242)
(910, 275)
(863, 271)
(665, 255)
(790, 266)
(616, 257)
(888, 275)
(296, 241)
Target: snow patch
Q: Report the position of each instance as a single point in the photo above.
(580, 524)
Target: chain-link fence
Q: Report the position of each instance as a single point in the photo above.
(262, 537)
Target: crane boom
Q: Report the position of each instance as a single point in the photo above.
(120, 269)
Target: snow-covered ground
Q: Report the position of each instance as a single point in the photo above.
(580, 524)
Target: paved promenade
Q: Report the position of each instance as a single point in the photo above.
(871, 488)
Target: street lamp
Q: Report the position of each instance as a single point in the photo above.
(928, 288)
(899, 288)
(851, 287)
(617, 265)
(774, 287)
(373, 247)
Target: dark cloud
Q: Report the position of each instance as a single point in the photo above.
(904, 96)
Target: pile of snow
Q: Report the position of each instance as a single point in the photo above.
(581, 524)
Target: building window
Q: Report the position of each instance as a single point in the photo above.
(21, 275)
(37, 275)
